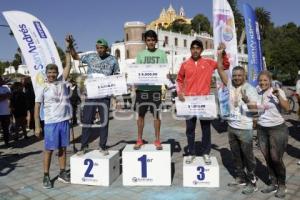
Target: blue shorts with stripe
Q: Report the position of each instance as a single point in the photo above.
(57, 135)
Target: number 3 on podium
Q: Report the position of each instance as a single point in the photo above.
(201, 175)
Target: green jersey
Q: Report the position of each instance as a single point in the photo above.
(148, 57)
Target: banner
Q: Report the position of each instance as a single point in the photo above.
(203, 107)
(106, 86)
(224, 31)
(255, 61)
(36, 44)
(147, 74)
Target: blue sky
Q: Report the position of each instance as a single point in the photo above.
(89, 20)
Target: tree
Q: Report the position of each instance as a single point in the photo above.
(201, 23)
(264, 20)
(180, 26)
(17, 61)
(238, 18)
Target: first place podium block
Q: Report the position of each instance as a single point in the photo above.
(198, 174)
(93, 168)
(146, 166)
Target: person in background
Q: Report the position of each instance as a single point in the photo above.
(5, 94)
(19, 109)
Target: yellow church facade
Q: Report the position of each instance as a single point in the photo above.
(168, 16)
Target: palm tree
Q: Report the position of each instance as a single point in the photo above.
(238, 18)
(263, 18)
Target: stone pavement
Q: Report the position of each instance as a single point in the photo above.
(21, 169)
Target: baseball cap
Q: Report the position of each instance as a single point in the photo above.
(102, 42)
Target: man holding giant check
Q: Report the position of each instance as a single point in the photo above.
(148, 76)
(193, 85)
(101, 65)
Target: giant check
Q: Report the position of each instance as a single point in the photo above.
(106, 86)
(147, 74)
(203, 107)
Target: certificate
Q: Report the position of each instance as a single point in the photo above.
(203, 107)
(147, 74)
(106, 86)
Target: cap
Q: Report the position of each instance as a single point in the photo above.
(102, 42)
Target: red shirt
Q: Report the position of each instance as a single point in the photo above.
(194, 78)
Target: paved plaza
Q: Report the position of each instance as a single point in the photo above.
(21, 169)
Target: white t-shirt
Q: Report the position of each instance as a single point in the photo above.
(240, 117)
(55, 99)
(4, 104)
(298, 87)
(269, 108)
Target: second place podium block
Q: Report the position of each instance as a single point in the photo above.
(146, 166)
(93, 168)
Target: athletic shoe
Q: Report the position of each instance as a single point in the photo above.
(280, 191)
(238, 182)
(64, 177)
(158, 145)
(269, 189)
(104, 152)
(190, 159)
(207, 159)
(298, 163)
(250, 188)
(138, 144)
(47, 182)
(82, 151)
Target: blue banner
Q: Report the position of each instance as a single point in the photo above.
(255, 61)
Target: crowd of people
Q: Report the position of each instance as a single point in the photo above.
(247, 103)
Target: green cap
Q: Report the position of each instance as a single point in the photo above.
(102, 42)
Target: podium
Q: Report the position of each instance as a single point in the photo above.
(146, 166)
(93, 168)
(198, 174)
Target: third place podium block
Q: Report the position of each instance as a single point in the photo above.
(198, 174)
(146, 166)
(93, 168)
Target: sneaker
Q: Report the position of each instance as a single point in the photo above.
(189, 159)
(250, 188)
(82, 151)
(280, 191)
(206, 158)
(298, 163)
(238, 182)
(47, 182)
(138, 144)
(104, 152)
(64, 177)
(269, 189)
(158, 145)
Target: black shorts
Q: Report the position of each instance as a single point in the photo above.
(148, 99)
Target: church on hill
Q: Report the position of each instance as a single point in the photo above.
(168, 16)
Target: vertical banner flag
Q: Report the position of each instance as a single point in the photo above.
(255, 61)
(224, 31)
(36, 44)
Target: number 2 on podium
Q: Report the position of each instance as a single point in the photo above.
(90, 164)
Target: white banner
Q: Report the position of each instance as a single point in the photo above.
(224, 31)
(106, 86)
(147, 74)
(203, 107)
(35, 42)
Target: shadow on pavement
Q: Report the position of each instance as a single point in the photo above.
(10, 161)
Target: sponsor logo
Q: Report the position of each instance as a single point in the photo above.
(39, 29)
(135, 180)
(85, 179)
(31, 47)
